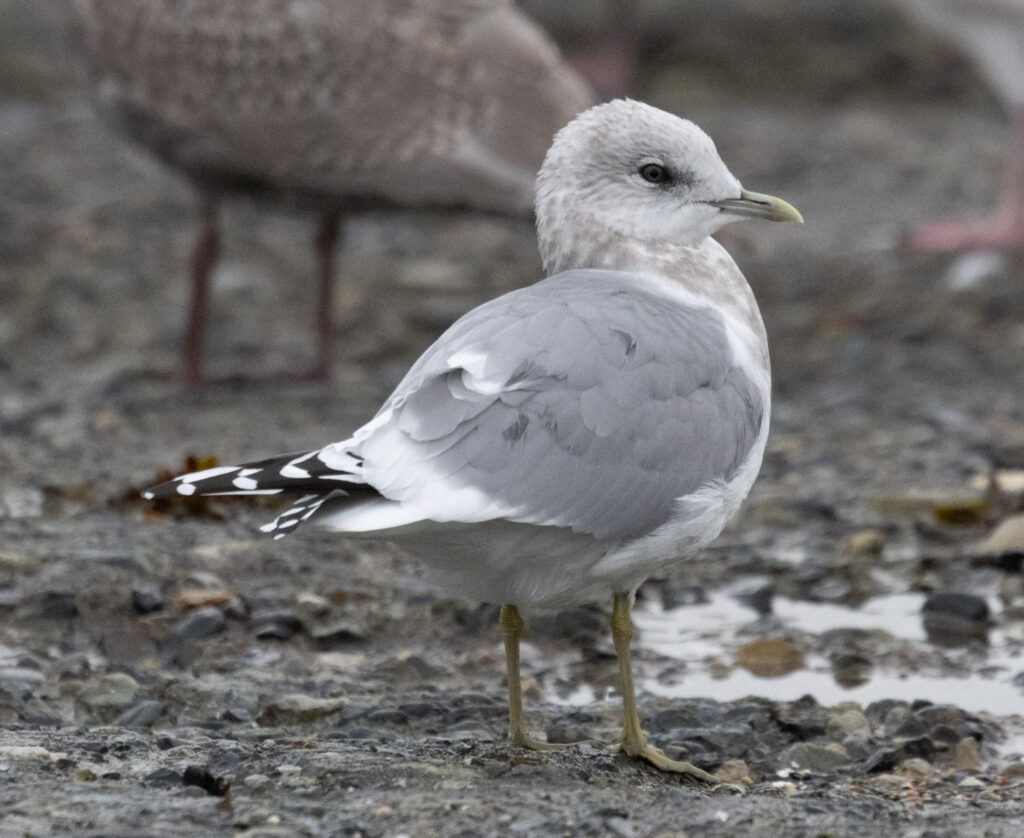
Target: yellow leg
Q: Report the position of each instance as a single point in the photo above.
(512, 629)
(634, 743)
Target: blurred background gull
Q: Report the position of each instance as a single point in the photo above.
(876, 562)
(337, 107)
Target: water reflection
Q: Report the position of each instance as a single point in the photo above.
(841, 644)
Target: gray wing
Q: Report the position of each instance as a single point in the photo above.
(583, 401)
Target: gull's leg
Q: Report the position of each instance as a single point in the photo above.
(512, 629)
(326, 248)
(634, 743)
(204, 256)
(1003, 229)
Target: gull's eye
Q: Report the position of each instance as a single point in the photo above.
(654, 173)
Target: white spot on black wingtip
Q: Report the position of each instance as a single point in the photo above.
(147, 495)
(186, 489)
(294, 472)
(245, 483)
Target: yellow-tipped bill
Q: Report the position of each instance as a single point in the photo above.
(756, 205)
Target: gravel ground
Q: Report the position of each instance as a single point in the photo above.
(167, 671)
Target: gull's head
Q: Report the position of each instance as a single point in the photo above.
(635, 171)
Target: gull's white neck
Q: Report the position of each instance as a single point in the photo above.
(703, 269)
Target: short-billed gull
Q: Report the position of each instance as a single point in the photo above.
(563, 442)
(335, 106)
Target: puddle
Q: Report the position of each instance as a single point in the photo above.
(696, 634)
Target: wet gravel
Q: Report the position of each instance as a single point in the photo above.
(167, 671)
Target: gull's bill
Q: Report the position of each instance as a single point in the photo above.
(756, 205)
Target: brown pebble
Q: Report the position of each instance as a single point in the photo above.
(770, 657)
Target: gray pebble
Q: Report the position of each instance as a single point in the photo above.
(146, 600)
(143, 714)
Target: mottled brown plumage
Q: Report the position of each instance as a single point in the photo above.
(336, 105)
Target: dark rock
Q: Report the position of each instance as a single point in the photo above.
(56, 605)
(803, 718)
(857, 746)
(576, 726)
(698, 713)
(709, 745)
(147, 600)
(196, 625)
(674, 595)
(276, 625)
(420, 710)
(886, 712)
(758, 596)
(163, 777)
(919, 746)
(822, 759)
(955, 619)
(388, 716)
(201, 777)
(884, 759)
(479, 619)
(337, 634)
(238, 714)
(143, 714)
(579, 626)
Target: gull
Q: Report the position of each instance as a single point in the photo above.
(563, 442)
(332, 106)
(991, 33)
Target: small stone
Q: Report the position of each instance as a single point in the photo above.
(146, 600)
(275, 625)
(299, 709)
(197, 625)
(576, 726)
(313, 604)
(866, 544)
(822, 759)
(915, 768)
(884, 759)
(955, 619)
(110, 695)
(1013, 769)
(971, 783)
(757, 595)
(848, 721)
(804, 718)
(20, 680)
(201, 777)
(675, 595)
(21, 502)
(1008, 537)
(256, 781)
(144, 714)
(332, 636)
(967, 754)
(733, 771)
(964, 606)
(191, 598)
(163, 777)
(56, 605)
(770, 657)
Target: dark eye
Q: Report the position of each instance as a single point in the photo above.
(654, 173)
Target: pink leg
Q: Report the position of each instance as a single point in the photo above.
(204, 256)
(326, 249)
(1002, 229)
